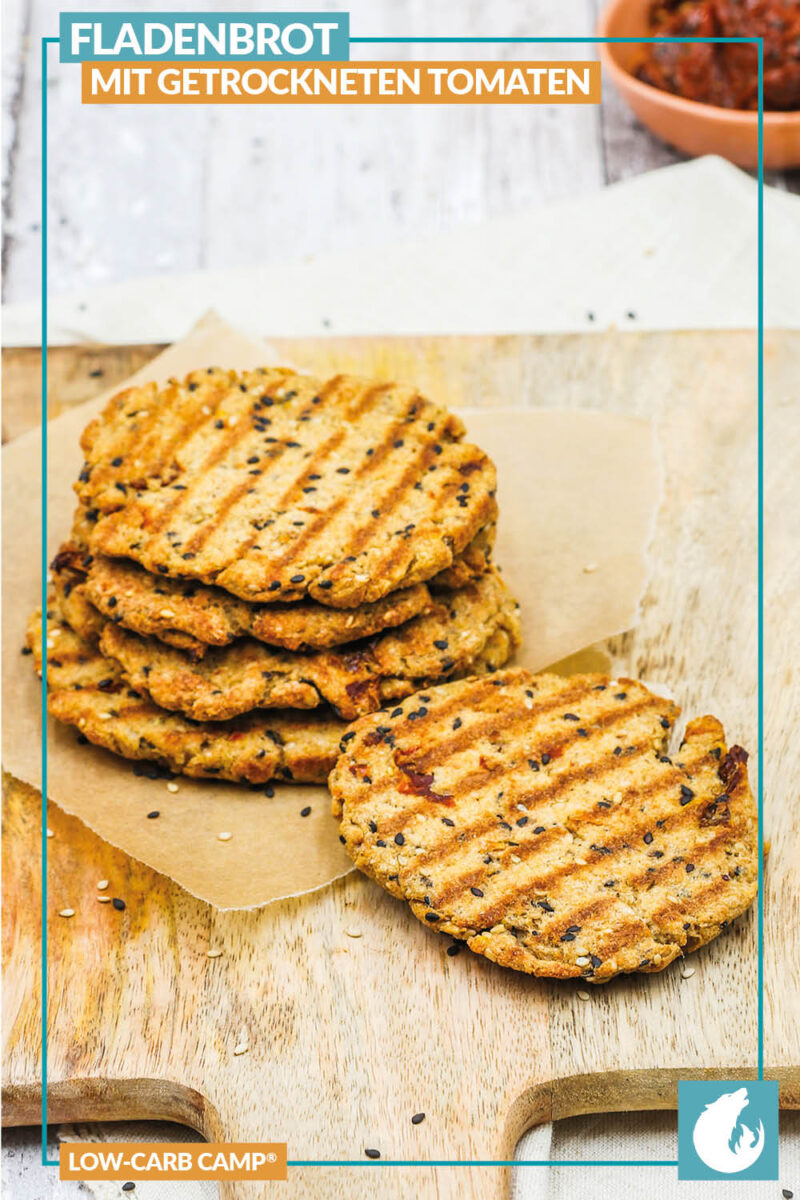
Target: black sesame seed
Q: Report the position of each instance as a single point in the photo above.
(457, 723)
(304, 812)
(686, 794)
(689, 868)
(26, 650)
(539, 829)
(476, 891)
(447, 821)
(348, 736)
(128, 1187)
(596, 962)
(418, 1118)
(545, 759)
(620, 695)
(571, 717)
(399, 839)
(376, 512)
(522, 821)
(297, 579)
(116, 462)
(326, 584)
(372, 1153)
(82, 740)
(151, 816)
(665, 722)
(373, 828)
(380, 842)
(453, 950)
(112, 602)
(648, 837)
(533, 764)
(546, 906)
(269, 791)
(440, 644)
(118, 904)
(618, 750)
(432, 917)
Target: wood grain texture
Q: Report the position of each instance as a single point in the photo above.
(138, 192)
(350, 1036)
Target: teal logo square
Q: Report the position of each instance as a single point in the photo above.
(728, 1129)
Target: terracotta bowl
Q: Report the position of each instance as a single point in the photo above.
(691, 127)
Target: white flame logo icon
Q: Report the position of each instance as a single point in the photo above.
(725, 1143)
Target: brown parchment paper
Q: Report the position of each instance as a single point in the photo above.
(578, 493)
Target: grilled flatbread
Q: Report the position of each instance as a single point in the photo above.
(472, 630)
(193, 616)
(88, 691)
(540, 819)
(277, 487)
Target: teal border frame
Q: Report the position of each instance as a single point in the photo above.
(587, 40)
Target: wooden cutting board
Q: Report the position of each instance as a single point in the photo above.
(349, 1036)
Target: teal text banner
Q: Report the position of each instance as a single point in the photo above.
(203, 36)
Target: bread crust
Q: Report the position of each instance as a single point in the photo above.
(88, 691)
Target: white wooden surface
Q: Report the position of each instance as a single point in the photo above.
(138, 190)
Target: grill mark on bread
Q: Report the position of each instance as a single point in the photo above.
(571, 869)
(559, 783)
(245, 487)
(323, 520)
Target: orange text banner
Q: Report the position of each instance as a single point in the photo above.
(341, 83)
(172, 1160)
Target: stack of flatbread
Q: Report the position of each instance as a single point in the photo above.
(260, 558)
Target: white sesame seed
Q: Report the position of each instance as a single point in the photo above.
(224, 836)
(582, 961)
(515, 858)
(104, 899)
(584, 996)
(166, 612)
(687, 972)
(522, 807)
(102, 884)
(67, 912)
(172, 787)
(242, 1048)
(353, 933)
(55, 632)
(589, 568)
(106, 716)
(50, 833)
(213, 953)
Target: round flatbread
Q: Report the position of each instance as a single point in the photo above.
(194, 616)
(469, 631)
(88, 691)
(276, 486)
(541, 820)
